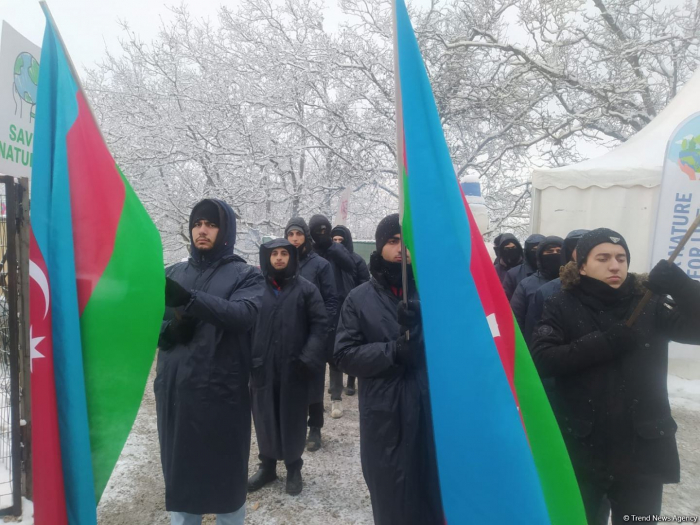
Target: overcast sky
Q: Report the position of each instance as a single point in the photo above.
(90, 26)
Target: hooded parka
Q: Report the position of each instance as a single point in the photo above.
(397, 447)
(288, 349)
(201, 387)
(526, 269)
(528, 286)
(612, 403)
(500, 265)
(361, 270)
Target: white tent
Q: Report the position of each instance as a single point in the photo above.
(618, 190)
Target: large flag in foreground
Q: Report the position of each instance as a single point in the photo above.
(490, 468)
(96, 299)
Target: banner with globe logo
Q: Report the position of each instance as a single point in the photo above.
(19, 76)
(679, 198)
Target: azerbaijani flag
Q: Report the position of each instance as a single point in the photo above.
(96, 299)
(500, 453)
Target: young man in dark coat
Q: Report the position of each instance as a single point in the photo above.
(610, 395)
(344, 272)
(288, 348)
(508, 255)
(342, 235)
(201, 386)
(549, 260)
(318, 272)
(397, 447)
(526, 269)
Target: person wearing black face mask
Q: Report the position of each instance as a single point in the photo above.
(397, 449)
(526, 269)
(549, 260)
(536, 305)
(288, 351)
(510, 255)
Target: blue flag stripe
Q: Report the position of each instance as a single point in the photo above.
(56, 112)
(485, 465)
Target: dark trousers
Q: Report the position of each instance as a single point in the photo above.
(351, 381)
(316, 415)
(336, 382)
(272, 463)
(623, 499)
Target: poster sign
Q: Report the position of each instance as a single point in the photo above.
(679, 199)
(19, 76)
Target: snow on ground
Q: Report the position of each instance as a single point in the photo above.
(334, 490)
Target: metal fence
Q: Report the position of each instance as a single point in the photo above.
(12, 325)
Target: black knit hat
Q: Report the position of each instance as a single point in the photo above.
(595, 237)
(317, 221)
(297, 223)
(386, 229)
(206, 210)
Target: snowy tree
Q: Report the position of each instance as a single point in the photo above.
(275, 114)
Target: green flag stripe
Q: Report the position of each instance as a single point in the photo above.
(119, 329)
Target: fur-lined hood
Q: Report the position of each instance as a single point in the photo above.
(570, 278)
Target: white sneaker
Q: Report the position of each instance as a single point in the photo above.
(336, 409)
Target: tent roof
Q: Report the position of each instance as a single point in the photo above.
(636, 162)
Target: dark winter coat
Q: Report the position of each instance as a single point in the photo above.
(612, 405)
(397, 449)
(536, 305)
(319, 272)
(201, 388)
(343, 266)
(515, 275)
(501, 267)
(288, 348)
(520, 301)
(361, 270)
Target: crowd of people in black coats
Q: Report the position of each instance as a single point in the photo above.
(237, 340)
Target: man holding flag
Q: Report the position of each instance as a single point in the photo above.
(396, 436)
(201, 386)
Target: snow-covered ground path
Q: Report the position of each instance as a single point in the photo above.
(334, 490)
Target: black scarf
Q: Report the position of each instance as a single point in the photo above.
(601, 295)
(388, 274)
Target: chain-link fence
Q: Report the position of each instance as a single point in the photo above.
(10, 360)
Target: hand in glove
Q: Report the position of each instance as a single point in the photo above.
(408, 351)
(180, 331)
(621, 337)
(667, 279)
(408, 315)
(175, 294)
(322, 238)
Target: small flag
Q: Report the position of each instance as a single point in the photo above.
(96, 297)
(477, 361)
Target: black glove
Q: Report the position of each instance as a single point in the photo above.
(408, 352)
(301, 370)
(621, 337)
(322, 240)
(408, 315)
(175, 294)
(180, 331)
(667, 279)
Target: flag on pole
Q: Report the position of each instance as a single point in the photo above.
(97, 298)
(478, 364)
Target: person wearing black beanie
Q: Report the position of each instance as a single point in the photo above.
(372, 344)
(317, 271)
(344, 271)
(610, 394)
(549, 260)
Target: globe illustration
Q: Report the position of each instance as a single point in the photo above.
(27, 79)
